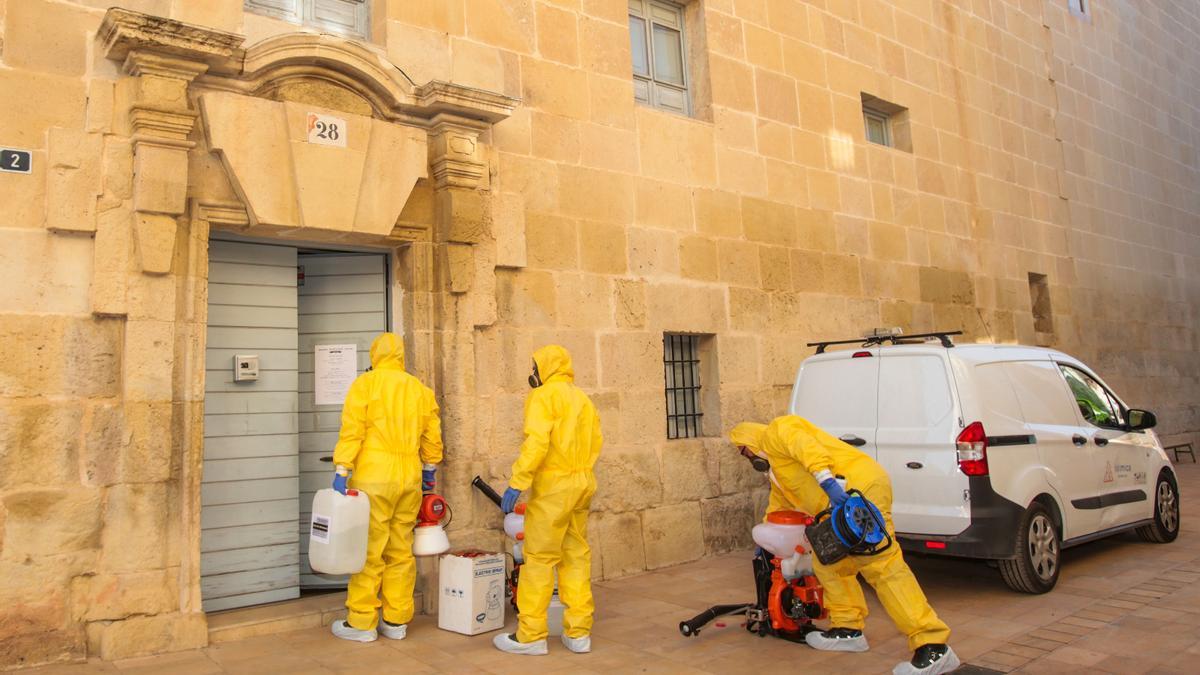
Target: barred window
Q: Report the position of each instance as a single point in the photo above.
(681, 365)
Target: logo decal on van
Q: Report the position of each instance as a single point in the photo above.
(1108, 472)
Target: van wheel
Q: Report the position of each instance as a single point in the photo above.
(1035, 567)
(1165, 526)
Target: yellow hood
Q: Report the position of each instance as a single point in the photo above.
(387, 351)
(749, 434)
(554, 364)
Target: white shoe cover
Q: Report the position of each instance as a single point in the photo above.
(947, 663)
(818, 641)
(579, 645)
(508, 643)
(392, 631)
(345, 631)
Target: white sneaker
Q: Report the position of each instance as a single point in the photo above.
(345, 631)
(837, 640)
(508, 643)
(929, 660)
(579, 645)
(393, 631)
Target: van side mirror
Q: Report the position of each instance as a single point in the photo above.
(1140, 419)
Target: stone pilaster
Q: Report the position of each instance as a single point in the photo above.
(161, 122)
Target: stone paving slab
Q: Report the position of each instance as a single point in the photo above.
(1121, 606)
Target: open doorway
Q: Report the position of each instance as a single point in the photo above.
(274, 311)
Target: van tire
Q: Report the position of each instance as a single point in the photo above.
(1164, 527)
(1038, 558)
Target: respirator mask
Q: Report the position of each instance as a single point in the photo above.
(535, 380)
(758, 463)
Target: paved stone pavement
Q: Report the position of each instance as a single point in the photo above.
(1121, 606)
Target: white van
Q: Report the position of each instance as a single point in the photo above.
(1005, 453)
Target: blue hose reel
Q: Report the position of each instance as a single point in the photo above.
(854, 528)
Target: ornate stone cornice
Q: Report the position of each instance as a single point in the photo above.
(146, 63)
(226, 214)
(436, 97)
(123, 31)
(162, 126)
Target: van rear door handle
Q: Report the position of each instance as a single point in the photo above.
(1078, 440)
(1100, 441)
(851, 439)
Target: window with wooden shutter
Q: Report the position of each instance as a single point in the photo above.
(656, 40)
(351, 18)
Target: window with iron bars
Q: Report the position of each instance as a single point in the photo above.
(681, 369)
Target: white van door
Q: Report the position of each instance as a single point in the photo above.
(915, 443)
(839, 393)
(1074, 465)
(1123, 495)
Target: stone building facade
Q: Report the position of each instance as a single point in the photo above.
(1041, 186)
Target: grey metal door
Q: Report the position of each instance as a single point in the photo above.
(342, 300)
(249, 493)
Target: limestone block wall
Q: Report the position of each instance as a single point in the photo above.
(1041, 143)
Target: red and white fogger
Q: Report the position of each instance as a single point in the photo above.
(429, 537)
(788, 596)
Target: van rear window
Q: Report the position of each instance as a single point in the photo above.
(838, 393)
(914, 392)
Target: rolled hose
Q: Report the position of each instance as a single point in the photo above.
(486, 490)
(691, 627)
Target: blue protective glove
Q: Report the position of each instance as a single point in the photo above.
(339, 483)
(428, 481)
(837, 496)
(509, 501)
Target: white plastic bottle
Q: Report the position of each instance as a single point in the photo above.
(337, 540)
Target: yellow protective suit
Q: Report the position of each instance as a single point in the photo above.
(390, 425)
(562, 442)
(797, 449)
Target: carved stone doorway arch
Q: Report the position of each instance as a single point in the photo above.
(218, 138)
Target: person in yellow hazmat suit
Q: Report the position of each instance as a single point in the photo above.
(389, 445)
(805, 464)
(562, 442)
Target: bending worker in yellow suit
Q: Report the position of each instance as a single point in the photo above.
(390, 444)
(804, 464)
(562, 442)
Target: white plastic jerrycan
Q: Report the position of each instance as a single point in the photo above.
(337, 540)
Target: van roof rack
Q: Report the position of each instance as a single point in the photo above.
(896, 339)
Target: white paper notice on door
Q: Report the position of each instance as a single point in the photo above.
(334, 369)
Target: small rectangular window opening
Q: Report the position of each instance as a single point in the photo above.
(681, 366)
(1039, 301)
(885, 123)
(658, 49)
(351, 18)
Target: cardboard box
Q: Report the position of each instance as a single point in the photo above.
(471, 596)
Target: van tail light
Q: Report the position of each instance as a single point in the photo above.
(937, 545)
(860, 355)
(972, 450)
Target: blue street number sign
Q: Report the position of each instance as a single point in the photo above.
(15, 161)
